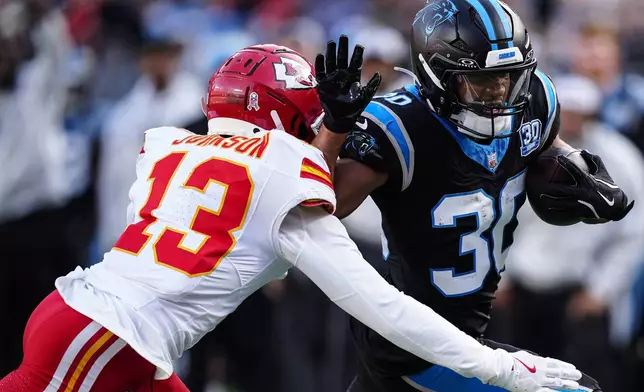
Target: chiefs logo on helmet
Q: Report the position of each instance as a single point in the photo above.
(295, 75)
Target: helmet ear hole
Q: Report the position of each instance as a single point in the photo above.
(303, 132)
(298, 125)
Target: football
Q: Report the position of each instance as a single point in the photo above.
(547, 170)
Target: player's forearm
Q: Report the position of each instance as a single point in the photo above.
(330, 144)
(559, 143)
(353, 182)
(332, 261)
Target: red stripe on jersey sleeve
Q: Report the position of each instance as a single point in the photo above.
(318, 203)
(312, 171)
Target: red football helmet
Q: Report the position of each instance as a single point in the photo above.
(270, 86)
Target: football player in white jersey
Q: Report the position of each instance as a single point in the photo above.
(214, 218)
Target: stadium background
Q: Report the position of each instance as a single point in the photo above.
(80, 80)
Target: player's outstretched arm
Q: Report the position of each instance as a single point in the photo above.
(317, 243)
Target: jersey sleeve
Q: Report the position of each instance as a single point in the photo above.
(548, 103)
(314, 184)
(380, 140)
(317, 183)
(319, 246)
(303, 174)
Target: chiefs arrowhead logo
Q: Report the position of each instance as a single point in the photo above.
(296, 76)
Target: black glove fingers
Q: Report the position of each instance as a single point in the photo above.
(320, 72)
(356, 59)
(571, 167)
(341, 94)
(621, 200)
(343, 52)
(372, 86)
(331, 57)
(594, 162)
(555, 203)
(625, 211)
(563, 191)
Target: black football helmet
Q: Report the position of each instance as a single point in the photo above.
(474, 62)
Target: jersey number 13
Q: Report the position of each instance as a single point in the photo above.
(485, 245)
(215, 226)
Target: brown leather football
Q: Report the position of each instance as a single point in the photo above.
(547, 167)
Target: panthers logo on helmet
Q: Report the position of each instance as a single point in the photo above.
(436, 13)
(296, 76)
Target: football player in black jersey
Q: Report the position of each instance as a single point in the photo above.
(445, 160)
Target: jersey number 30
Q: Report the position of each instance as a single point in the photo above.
(487, 248)
(215, 226)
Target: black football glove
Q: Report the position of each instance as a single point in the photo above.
(343, 97)
(594, 198)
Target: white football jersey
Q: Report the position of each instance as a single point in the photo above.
(203, 223)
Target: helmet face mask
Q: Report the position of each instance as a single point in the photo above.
(495, 96)
(475, 67)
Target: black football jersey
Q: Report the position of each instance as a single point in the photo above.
(449, 206)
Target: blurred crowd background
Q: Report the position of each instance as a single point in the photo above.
(81, 80)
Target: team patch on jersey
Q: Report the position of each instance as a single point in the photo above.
(361, 143)
(313, 171)
(530, 134)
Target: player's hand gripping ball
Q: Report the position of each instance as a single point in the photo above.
(569, 186)
(545, 173)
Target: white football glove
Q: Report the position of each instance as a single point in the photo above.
(524, 372)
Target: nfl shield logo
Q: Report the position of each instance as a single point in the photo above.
(491, 160)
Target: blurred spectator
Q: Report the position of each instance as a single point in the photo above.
(116, 45)
(635, 333)
(385, 48)
(598, 56)
(573, 279)
(210, 31)
(39, 219)
(162, 96)
(304, 35)
(329, 12)
(56, 98)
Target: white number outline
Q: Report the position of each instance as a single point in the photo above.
(442, 277)
(494, 252)
(399, 99)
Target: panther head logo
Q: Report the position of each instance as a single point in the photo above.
(436, 13)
